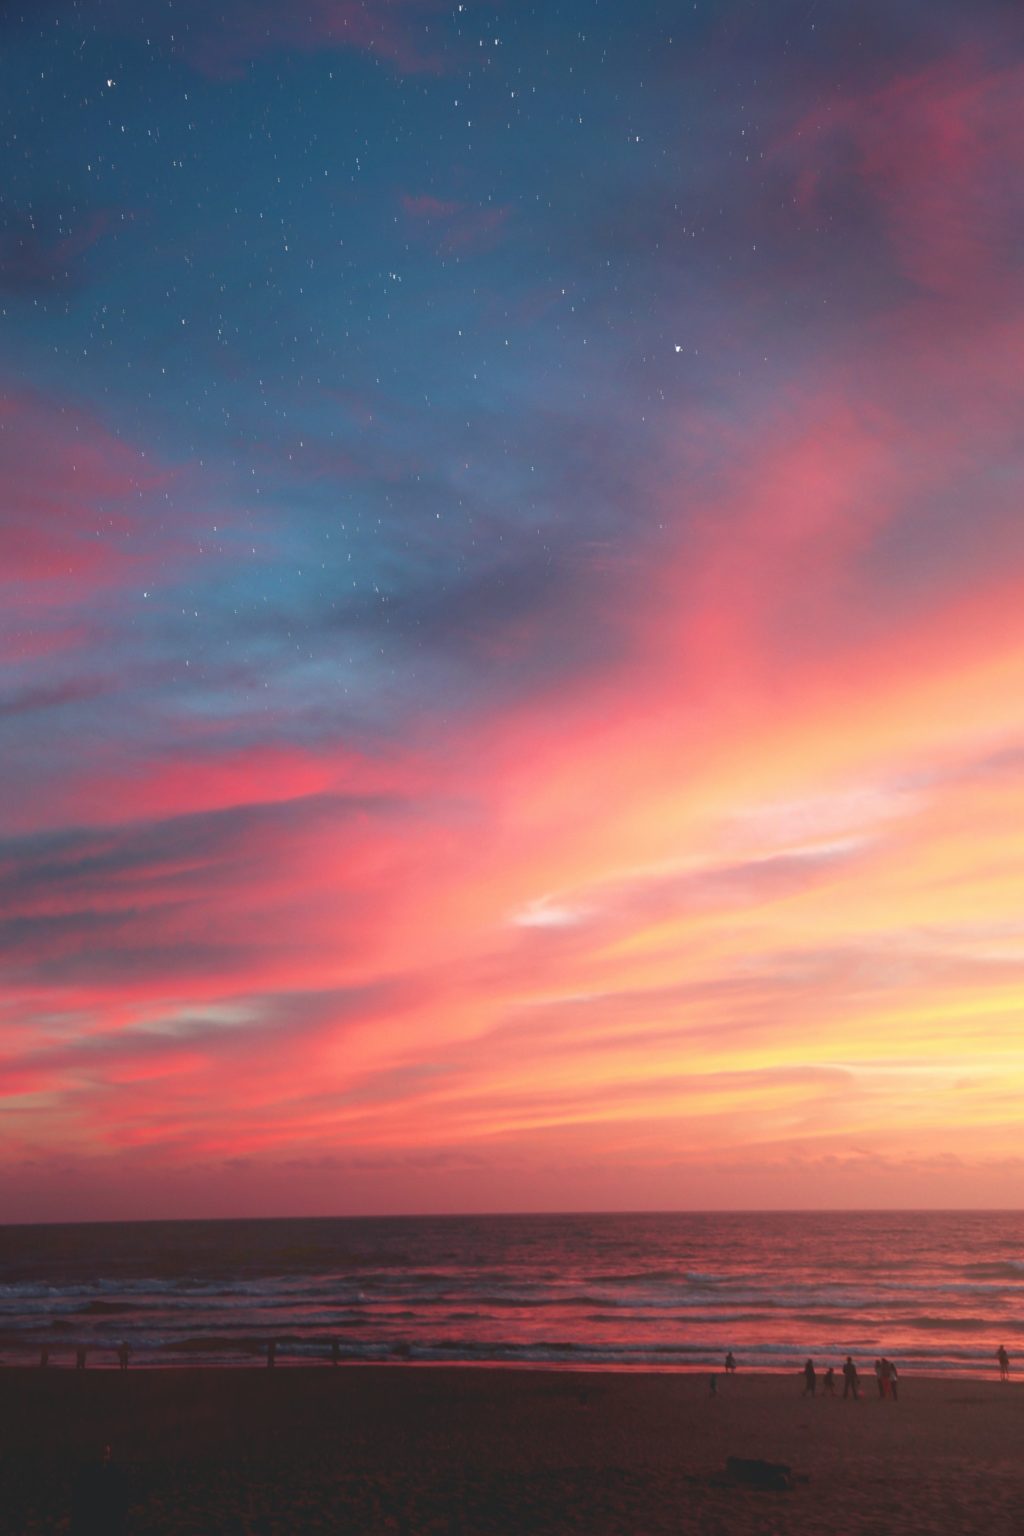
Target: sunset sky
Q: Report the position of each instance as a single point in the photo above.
(511, 605)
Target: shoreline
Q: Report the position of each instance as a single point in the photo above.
(103, 1360)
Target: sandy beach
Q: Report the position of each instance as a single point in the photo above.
(422, 1449)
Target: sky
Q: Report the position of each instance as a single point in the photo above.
(511, 606)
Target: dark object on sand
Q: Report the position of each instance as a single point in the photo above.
(759, 1474)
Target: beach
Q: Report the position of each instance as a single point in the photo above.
(379, 1449)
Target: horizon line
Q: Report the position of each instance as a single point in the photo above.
(923, 1210)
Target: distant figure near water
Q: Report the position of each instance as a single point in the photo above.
(713, 1386)
(271, 1354)
(730, 1362)
(123, 1351)
(810, 1379)
(829, 1383)
(1004, 1363)
(335, 1352)
(850, 1381)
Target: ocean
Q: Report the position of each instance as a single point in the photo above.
(937, 1292)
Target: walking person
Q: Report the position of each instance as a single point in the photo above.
(730, 1363)
(851, 1387)
(1004, 1363)
(810, 1379)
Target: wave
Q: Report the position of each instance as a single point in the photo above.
(1003, 1269)
(657, 1291)
(980, 1325)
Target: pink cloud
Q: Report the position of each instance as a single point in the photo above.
(72, 518)
(30, 262)
(931, 149)
(456, 226)
(425, 206)
(402, 33)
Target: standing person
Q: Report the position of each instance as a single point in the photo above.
(885, 1376)
(271, 1354)
(1004, 1363)
(894, 1382)
(123, 1351)
(730, 1362)
(850, 1383)
(830, 1382)
(810, 1379)
(878, 1378)
(335, 1352)
(713, 1386)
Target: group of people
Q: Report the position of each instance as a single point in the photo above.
(851, 1379)
(886, 1375)
(82, 1354)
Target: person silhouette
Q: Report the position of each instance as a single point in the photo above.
(810, 1379)
(730, 1362)
(850, 1383)
(830, 1382)
(335, 1352)
(123, 1351)
(271, 1354)
(1004, 1363)
(713, 1386)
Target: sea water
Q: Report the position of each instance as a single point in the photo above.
(936, 1291)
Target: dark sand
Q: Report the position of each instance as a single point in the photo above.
(412, 1449)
